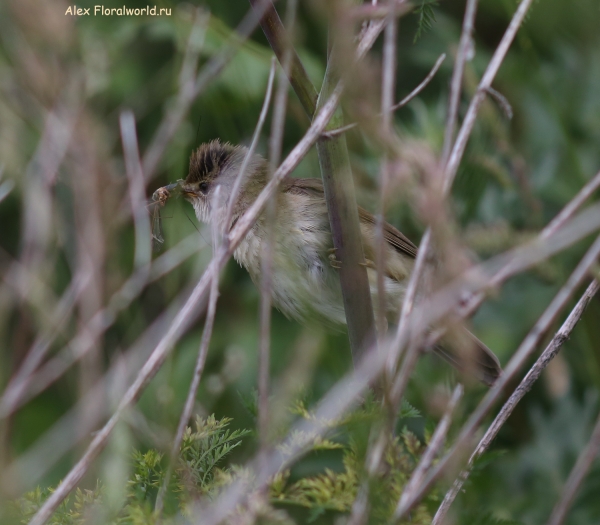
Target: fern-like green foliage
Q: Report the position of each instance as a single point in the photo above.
(203, 450)
(426, 17)
(73, 511)
(201, 471)
(336, 491)
(196, 473)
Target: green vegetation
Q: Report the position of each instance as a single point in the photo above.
(65, 207)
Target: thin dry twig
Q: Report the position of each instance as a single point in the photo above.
(451, 167)
(388, 87)
(266, 282)
(520, 356)
(198, 369)
(28, 383)
(571, 208)
(434, 447)
(534, 373)
(438, 63)
(576, 477)
(380, 433)
(137, 191)
(251, 150)
(464, 46)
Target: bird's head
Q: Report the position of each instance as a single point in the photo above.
(214, 169)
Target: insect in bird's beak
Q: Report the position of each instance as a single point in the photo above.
(159, 199)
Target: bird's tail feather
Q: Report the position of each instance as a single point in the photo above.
(478, 360)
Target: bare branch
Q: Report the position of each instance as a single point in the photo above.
(569, 210)
(266, 284)
(401, 104)
(250, 153)
(534, 373)
(576, 477)
(137, 192)
(451, 167)
(464, 47)
(198, 370)
(433, 449)
(521, 355)
(388, 88)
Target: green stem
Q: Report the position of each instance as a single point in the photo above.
(279, 41)
(339, 188)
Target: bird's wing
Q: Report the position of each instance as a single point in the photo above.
(310, 187)
(400, 242)
(314, 187)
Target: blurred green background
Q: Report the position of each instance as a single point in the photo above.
(516, 175)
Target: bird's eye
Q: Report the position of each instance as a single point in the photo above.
(203, 187)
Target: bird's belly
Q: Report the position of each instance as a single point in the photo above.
(305, 286)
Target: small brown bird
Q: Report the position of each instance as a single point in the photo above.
(305, 283)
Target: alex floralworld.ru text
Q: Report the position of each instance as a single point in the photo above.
(100, 10)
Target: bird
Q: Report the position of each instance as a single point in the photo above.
(305, 281)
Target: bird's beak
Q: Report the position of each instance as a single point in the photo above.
(187, 191)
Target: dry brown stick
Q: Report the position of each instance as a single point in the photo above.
(472, 302)
(574, 204)
(29, 383)
(388, 87)
(195, 383)
(520, 356)
(450, 166)
(401, 104)
(534, 373)
(434, 447)
(466, 42)
(187, 313)
(466, 128)
(203, 352)
(576, 477)
(253, 144)
(266, 281)
(137, 192)
(380, 433)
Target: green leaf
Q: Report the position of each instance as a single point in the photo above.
(426, 16)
